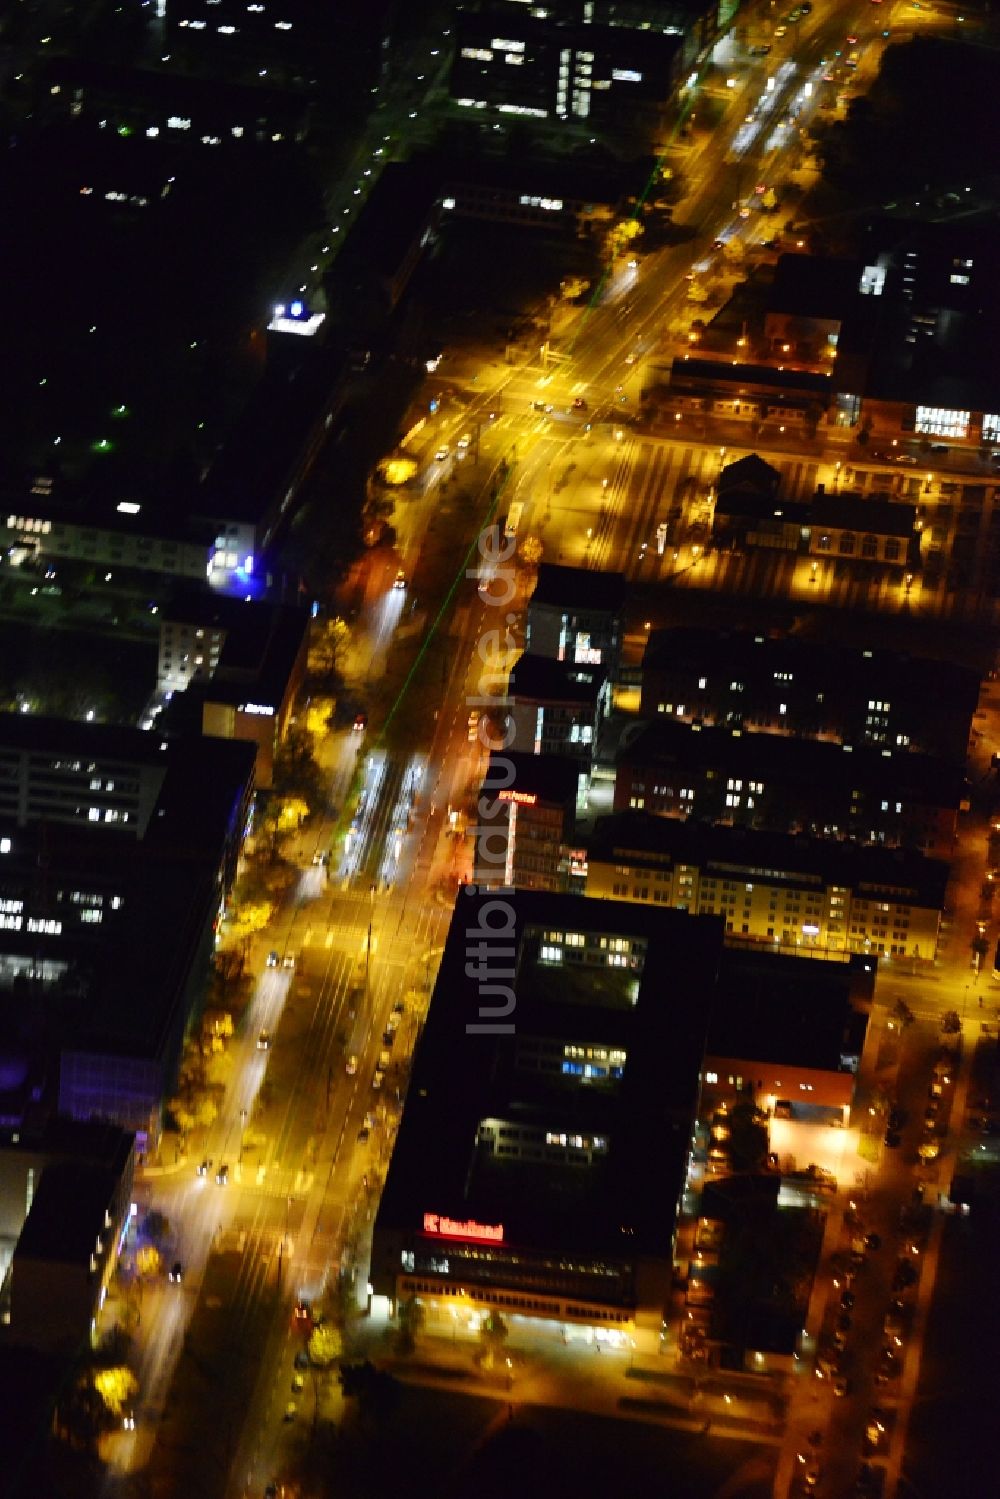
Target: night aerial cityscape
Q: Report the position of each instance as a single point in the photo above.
(499, 749)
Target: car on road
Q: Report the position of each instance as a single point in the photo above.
(873, 1242)
(841, 1386)
(176, 1273)
(222, 1176)
(271, 1492)
(288, 961)
(388, 1037)
(363, 1135)
(441, 454)
(204, 1168)
(128, 1421)
(399, 582)
(301, 1359)
(578, 404)
(272, 960)
(264, 1041)
(351, 1065)
(891, 1139)
(360, 723)
(290, 1410)
(321, 859)
(298, 1384)
(464, 441)
(780, 31)
(473, 726)
(897, 1117)
(395, 1016)
(378, 1078)
(847, 1300)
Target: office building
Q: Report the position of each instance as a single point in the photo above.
(65, 1201)
(243, 665)
(576, 615)
(808, 895)
(807, 687)
(810, 786)
(524, 837)
(129, 782)
(542, 68)
(544, 1144)
(556, 708)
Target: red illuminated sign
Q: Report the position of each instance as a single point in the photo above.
(520, 798)
(448, 1228)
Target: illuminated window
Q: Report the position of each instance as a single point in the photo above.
(941, 421)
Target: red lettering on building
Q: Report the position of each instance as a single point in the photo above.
(450, 1228)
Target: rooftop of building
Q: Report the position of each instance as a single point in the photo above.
(750, 472)
(793, 860)
(578, 588)
(247, 480)
(812, 286)
(92, 1141)
(148, 88)
(263, 642)
(723, 371)
(909, 777)
(204, 780)
(856, 512)
(550, 778)
(465, 1072)
(67, 1214)
(544, 679)
(155, 904)
(57, 500)
(787, 1011)
(847, 671)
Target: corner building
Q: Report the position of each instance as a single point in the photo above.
(543, 1149)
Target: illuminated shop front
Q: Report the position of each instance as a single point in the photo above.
(462, 1271)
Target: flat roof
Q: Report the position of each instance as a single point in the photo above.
(578, 588)
(781, 858)
(552, 778)
(785, 1011)
(67, 1213)
(262, 644)
(461, 1076)
(855, 512)
(724, 371)
(814, 287)
(548, 680)
(204, 783)
(844, 672)
(143, 946)
(924, 779)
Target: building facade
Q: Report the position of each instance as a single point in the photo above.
(809, 896)
(771, 781)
